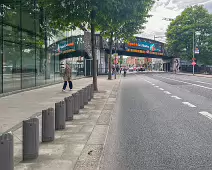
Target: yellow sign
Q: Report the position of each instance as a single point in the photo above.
(144, 52)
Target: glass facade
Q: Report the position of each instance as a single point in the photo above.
(27, 59)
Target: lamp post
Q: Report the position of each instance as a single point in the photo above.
(193, 48)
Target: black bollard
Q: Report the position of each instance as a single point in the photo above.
(89, 93)
(92, 91)
(81, 99)
(60, 116)
(69, 108)
(75, 103)
(85, 95)
(6, 152)
(30, 139)
(48, 127)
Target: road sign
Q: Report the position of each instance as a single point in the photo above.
(193, 63)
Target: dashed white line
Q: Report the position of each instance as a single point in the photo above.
(157, 86)
(189, 104)
(153, 84)
(161, 89)
(197, 85)
(206, 114)
(176, 97)
(167, 92)
(203, 82)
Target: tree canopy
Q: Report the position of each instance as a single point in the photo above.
(113, 18)
(194, 24)
(119, 16)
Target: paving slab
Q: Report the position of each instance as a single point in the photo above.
(104, 118)
(17, 107)
(98, 135)
(80, 145)
(89, 159)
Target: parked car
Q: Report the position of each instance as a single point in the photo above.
(141, 69)
(131, 69)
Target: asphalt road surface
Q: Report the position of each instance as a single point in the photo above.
(161, 122)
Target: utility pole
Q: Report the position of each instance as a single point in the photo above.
(193, 48)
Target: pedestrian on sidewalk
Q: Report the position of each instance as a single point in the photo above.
(67, 78)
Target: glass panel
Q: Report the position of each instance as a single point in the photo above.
(1, 74)
(28, 38)
(11, 67)
(54, 63)
(40, 66)
(28, 66)
(0, 28)
(11, 33)
(28, 15)
(37, 22)
(1, 13)
(50, 67)
(11, 13)
(58, 75)
(73, 63)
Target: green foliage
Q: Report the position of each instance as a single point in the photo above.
(123, 18)
(180, 33)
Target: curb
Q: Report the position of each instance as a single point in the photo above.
(98, 167)
(98, 161)
(196, 75)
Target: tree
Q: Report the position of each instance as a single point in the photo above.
(111, 17)
(122, 21)
(194, 23)
(69, 14)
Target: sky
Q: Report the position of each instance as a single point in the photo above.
(156, 26)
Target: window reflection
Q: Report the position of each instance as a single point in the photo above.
(1, 74)
(27, 17)
(11, 67)
(24, 60)
(28, 38)
(28, 66)
(11, 34)
(40, 66)
(11, 13)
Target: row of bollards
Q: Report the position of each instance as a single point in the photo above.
(51, 120)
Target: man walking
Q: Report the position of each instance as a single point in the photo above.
(67, 78)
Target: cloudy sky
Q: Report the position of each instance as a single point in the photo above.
(168, 9)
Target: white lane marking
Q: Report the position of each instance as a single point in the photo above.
(153, 84)
(189, 104)
(176, 97)
(203, 82)
(209, 88)
(167, 92)
(157, 86)
(206, 114)
(161, 89)
(175, 80)
(148, 81)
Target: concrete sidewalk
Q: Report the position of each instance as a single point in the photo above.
(80, 145)
(17, 107)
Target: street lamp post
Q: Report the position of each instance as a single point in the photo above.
(193, 48)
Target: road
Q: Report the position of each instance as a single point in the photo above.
(161, 122)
